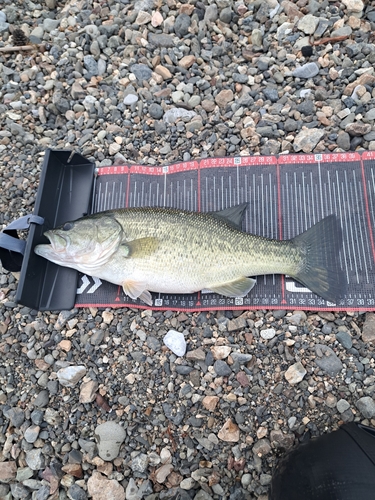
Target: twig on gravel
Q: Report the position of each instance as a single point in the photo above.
(329, 39)
(22, 48)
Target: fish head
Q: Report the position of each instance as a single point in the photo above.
(84, 244)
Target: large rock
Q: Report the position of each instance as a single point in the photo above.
(307, 139)
(327, 360)
(366, 406)
(368, 332)
(101, 488)
(230, 432)
(8, 471)
(71, 375)
(109, 437)
(354, 5)
(295, 373)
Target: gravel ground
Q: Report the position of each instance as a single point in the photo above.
(154, 82)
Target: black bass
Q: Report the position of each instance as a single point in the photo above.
(175, 251)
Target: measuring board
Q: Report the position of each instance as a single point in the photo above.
(286, 195)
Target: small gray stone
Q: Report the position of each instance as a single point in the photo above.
(153, 343)
(50, 24)
(238, 78)
(327, 329)
(366, 406)
(308, 70)
(182, 25)
(236, 324)
(37, 33)
(370, 115)
(52, 417)
(42, 399)
(257, 39)
(19, 491)
(271, 94)
(222, 369)
(327, 360)
(262, 447)
(141, 71)
(16, 416)
(161, 40)
(90, 64)
(211, 14)
(322, 26)
(131, 492)
(263, 63)
(139, 463)
(345, 339)
(343, 31)
(241, 357)
(156, 111)
(306, 107)
(203, 495)
(342, 405)
(102, 67)
(226, 15)
(290, 125)
(174, 114)
(308, 24)
(32, 433)
(297, 318)
(183, 369)
(77, 493)
(343, 141)
(43, 493)
(24, 473)
(35, 459)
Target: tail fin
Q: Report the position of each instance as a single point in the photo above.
(321, 271)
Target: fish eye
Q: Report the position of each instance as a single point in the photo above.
(67, 226)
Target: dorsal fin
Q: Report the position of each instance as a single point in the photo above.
(232, 216)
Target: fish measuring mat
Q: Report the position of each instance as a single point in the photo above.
(286, 195)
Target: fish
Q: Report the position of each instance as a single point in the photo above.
(173, 251)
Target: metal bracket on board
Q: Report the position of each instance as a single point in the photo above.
(64, 193)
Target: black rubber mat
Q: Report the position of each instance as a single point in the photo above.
(286, 195)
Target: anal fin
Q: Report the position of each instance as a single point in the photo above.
(237, 288)
(137, 290)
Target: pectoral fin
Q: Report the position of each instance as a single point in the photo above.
(141, 248)
(137, 290)
(236, 288)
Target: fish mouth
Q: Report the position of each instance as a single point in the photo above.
(58, 242)
(56, 247)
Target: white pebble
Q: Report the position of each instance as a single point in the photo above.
(268, 333)
(175, 341)
(130, 99)
(71, 375)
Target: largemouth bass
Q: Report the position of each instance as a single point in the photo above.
(175, 251)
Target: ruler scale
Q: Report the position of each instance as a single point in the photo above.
(285, 195)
